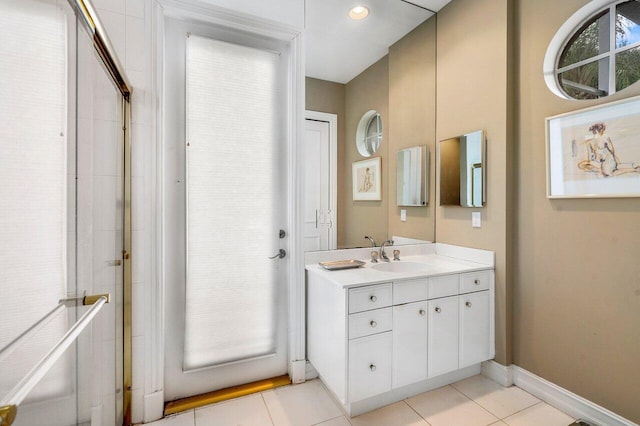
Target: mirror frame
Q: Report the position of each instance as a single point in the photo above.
(365, 149)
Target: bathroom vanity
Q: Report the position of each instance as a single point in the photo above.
(387, 331)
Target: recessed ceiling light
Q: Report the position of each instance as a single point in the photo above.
(358, 12)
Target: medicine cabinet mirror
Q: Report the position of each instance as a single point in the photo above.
(463, 170)
(369, 133)
(412, 171)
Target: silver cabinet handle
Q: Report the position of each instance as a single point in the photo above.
(373, 298)
(421, 312)
(438, 310)
(372, 367)
(373, 324)
(281, 255)
(468, 304)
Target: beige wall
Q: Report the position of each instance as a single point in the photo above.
(567, 275)
(412, 118)
(577, 279)
(402, 88)
(369, 90)
(472, 95)
(327, 96)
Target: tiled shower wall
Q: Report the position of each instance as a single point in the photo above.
(128, 25)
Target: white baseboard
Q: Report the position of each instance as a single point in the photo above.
(153, 406)
(298, 371)
(554, 395)
(502, 375)
(310, 372)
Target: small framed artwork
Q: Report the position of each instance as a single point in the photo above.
(595, 152)
(367, 180)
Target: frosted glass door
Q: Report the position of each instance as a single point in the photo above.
(234, 307)
(232, 203)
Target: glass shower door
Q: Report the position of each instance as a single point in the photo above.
(61, 215)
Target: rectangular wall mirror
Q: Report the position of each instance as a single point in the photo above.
(463, 170)
(412, 174)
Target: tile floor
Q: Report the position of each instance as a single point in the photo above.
(476, 401)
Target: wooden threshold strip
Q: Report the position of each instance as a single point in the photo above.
(191, 402)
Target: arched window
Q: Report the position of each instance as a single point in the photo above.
(598, 56)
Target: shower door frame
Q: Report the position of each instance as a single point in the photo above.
(91, 23)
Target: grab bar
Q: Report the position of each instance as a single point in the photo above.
(73, 301)
(9, 404)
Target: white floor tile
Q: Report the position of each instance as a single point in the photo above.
(182, 419)
(338, 421)
(398, 414)
(300, 405)
(246, 411)
(540, 414)
(499, 401)
(448, 407)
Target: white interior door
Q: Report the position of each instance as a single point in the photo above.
(225, 204)
(320, 182)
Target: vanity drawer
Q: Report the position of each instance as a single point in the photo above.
(474, 281)
(443, 286)
(370, 366)
(369, 297)
(370, 322)
(409, 291)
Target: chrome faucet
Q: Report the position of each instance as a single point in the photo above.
(373, 242)
(383, 255)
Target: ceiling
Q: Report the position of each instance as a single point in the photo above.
(339, 48)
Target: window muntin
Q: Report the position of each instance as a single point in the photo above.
(603, 55)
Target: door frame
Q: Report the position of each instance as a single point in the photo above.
(332, 119)
(151, 399)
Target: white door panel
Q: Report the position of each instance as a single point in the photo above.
(409, 343)
(225, 202)
(320, 174)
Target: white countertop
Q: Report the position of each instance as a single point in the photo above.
(436, 264)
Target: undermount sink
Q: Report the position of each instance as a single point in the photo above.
(401, 267)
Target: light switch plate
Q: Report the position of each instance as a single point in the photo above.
(403, 215)
(476, 219)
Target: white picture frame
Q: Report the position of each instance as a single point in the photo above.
(595, 152)
(367, 180)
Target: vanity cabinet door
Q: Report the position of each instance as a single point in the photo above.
(442, 335)
(474, 328)
(409, 343)
(369, 366)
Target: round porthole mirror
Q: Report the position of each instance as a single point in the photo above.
(369, 133)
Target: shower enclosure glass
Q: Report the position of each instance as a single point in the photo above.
(63, 142)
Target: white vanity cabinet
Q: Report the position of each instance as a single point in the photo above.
(442, 335)
(376, 344)
(409, 343)
(475, 328)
